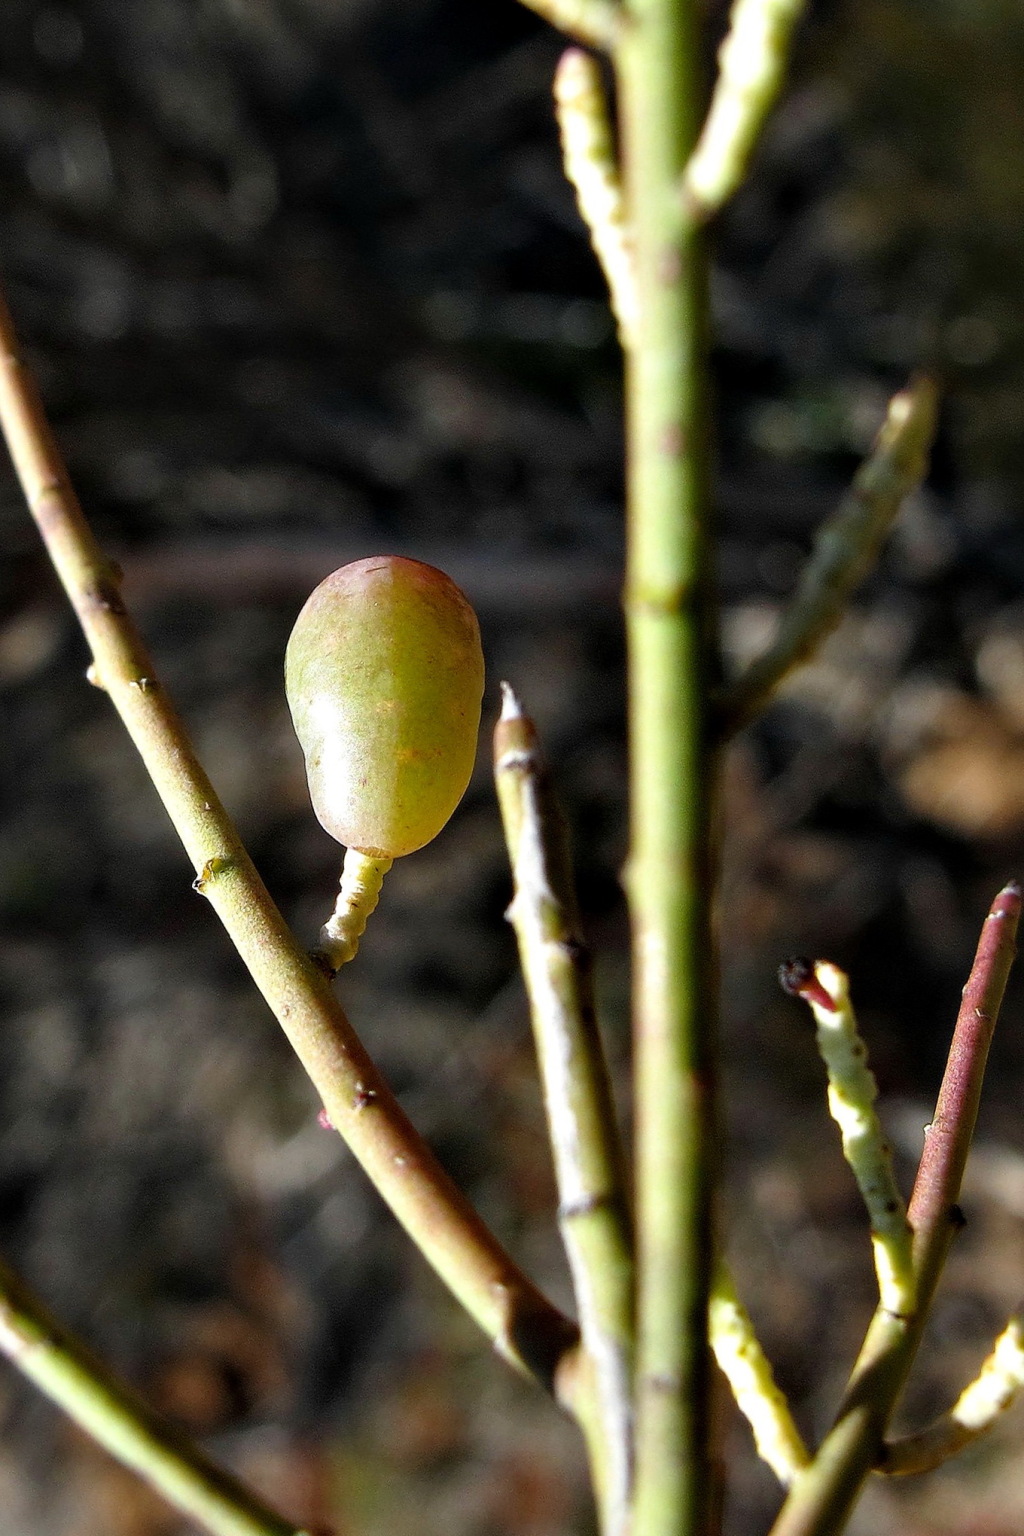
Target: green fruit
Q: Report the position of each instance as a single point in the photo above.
(384, 676)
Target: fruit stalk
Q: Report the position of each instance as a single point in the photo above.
(362, 875)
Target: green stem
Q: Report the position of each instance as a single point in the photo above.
(123, 1424)
(823, 1497)
(669, 878)
(593, 1212)
(523, 1325)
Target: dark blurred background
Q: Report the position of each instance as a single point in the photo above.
(303, 282)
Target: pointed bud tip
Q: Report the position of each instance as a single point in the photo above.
(511, 709)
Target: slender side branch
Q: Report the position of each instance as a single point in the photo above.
(588, 154)
(751, 68)
(598, 23)
(844, 550)
(522, 1324)
(823, 1497)
(670, 875)
(362, 875)
(115, 1416)
(852, 1092)
(577, 1095)
(990, 1394)
(746, 1367)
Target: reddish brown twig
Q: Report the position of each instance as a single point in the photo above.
(948, 1137)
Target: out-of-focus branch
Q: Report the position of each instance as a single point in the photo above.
(577, 1096)
(108, 1410)
(845, 548)
(588, 154)
(751, 68)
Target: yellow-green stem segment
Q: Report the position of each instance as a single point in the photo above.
(852, 1091)
(588, 156)
(669, 876)
(746, 1368)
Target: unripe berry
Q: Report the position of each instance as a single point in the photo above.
(384, 676)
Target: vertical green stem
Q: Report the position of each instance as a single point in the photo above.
(669, 876)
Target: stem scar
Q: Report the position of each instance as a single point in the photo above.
(210, 870)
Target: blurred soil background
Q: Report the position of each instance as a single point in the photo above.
(303, 282)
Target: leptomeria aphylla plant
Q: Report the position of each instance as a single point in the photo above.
(384, 680)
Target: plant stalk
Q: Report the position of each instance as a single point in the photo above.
(669, 876)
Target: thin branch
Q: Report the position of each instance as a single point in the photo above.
(746, 1367)
(588, 155)
(846, 546)
(990, 1394)
(852, 1091)
(947, 1140)
(598, 23)
(577, 1094)
(752, 65)
(118, 1419)
(525, 1328)
(823, 1497)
